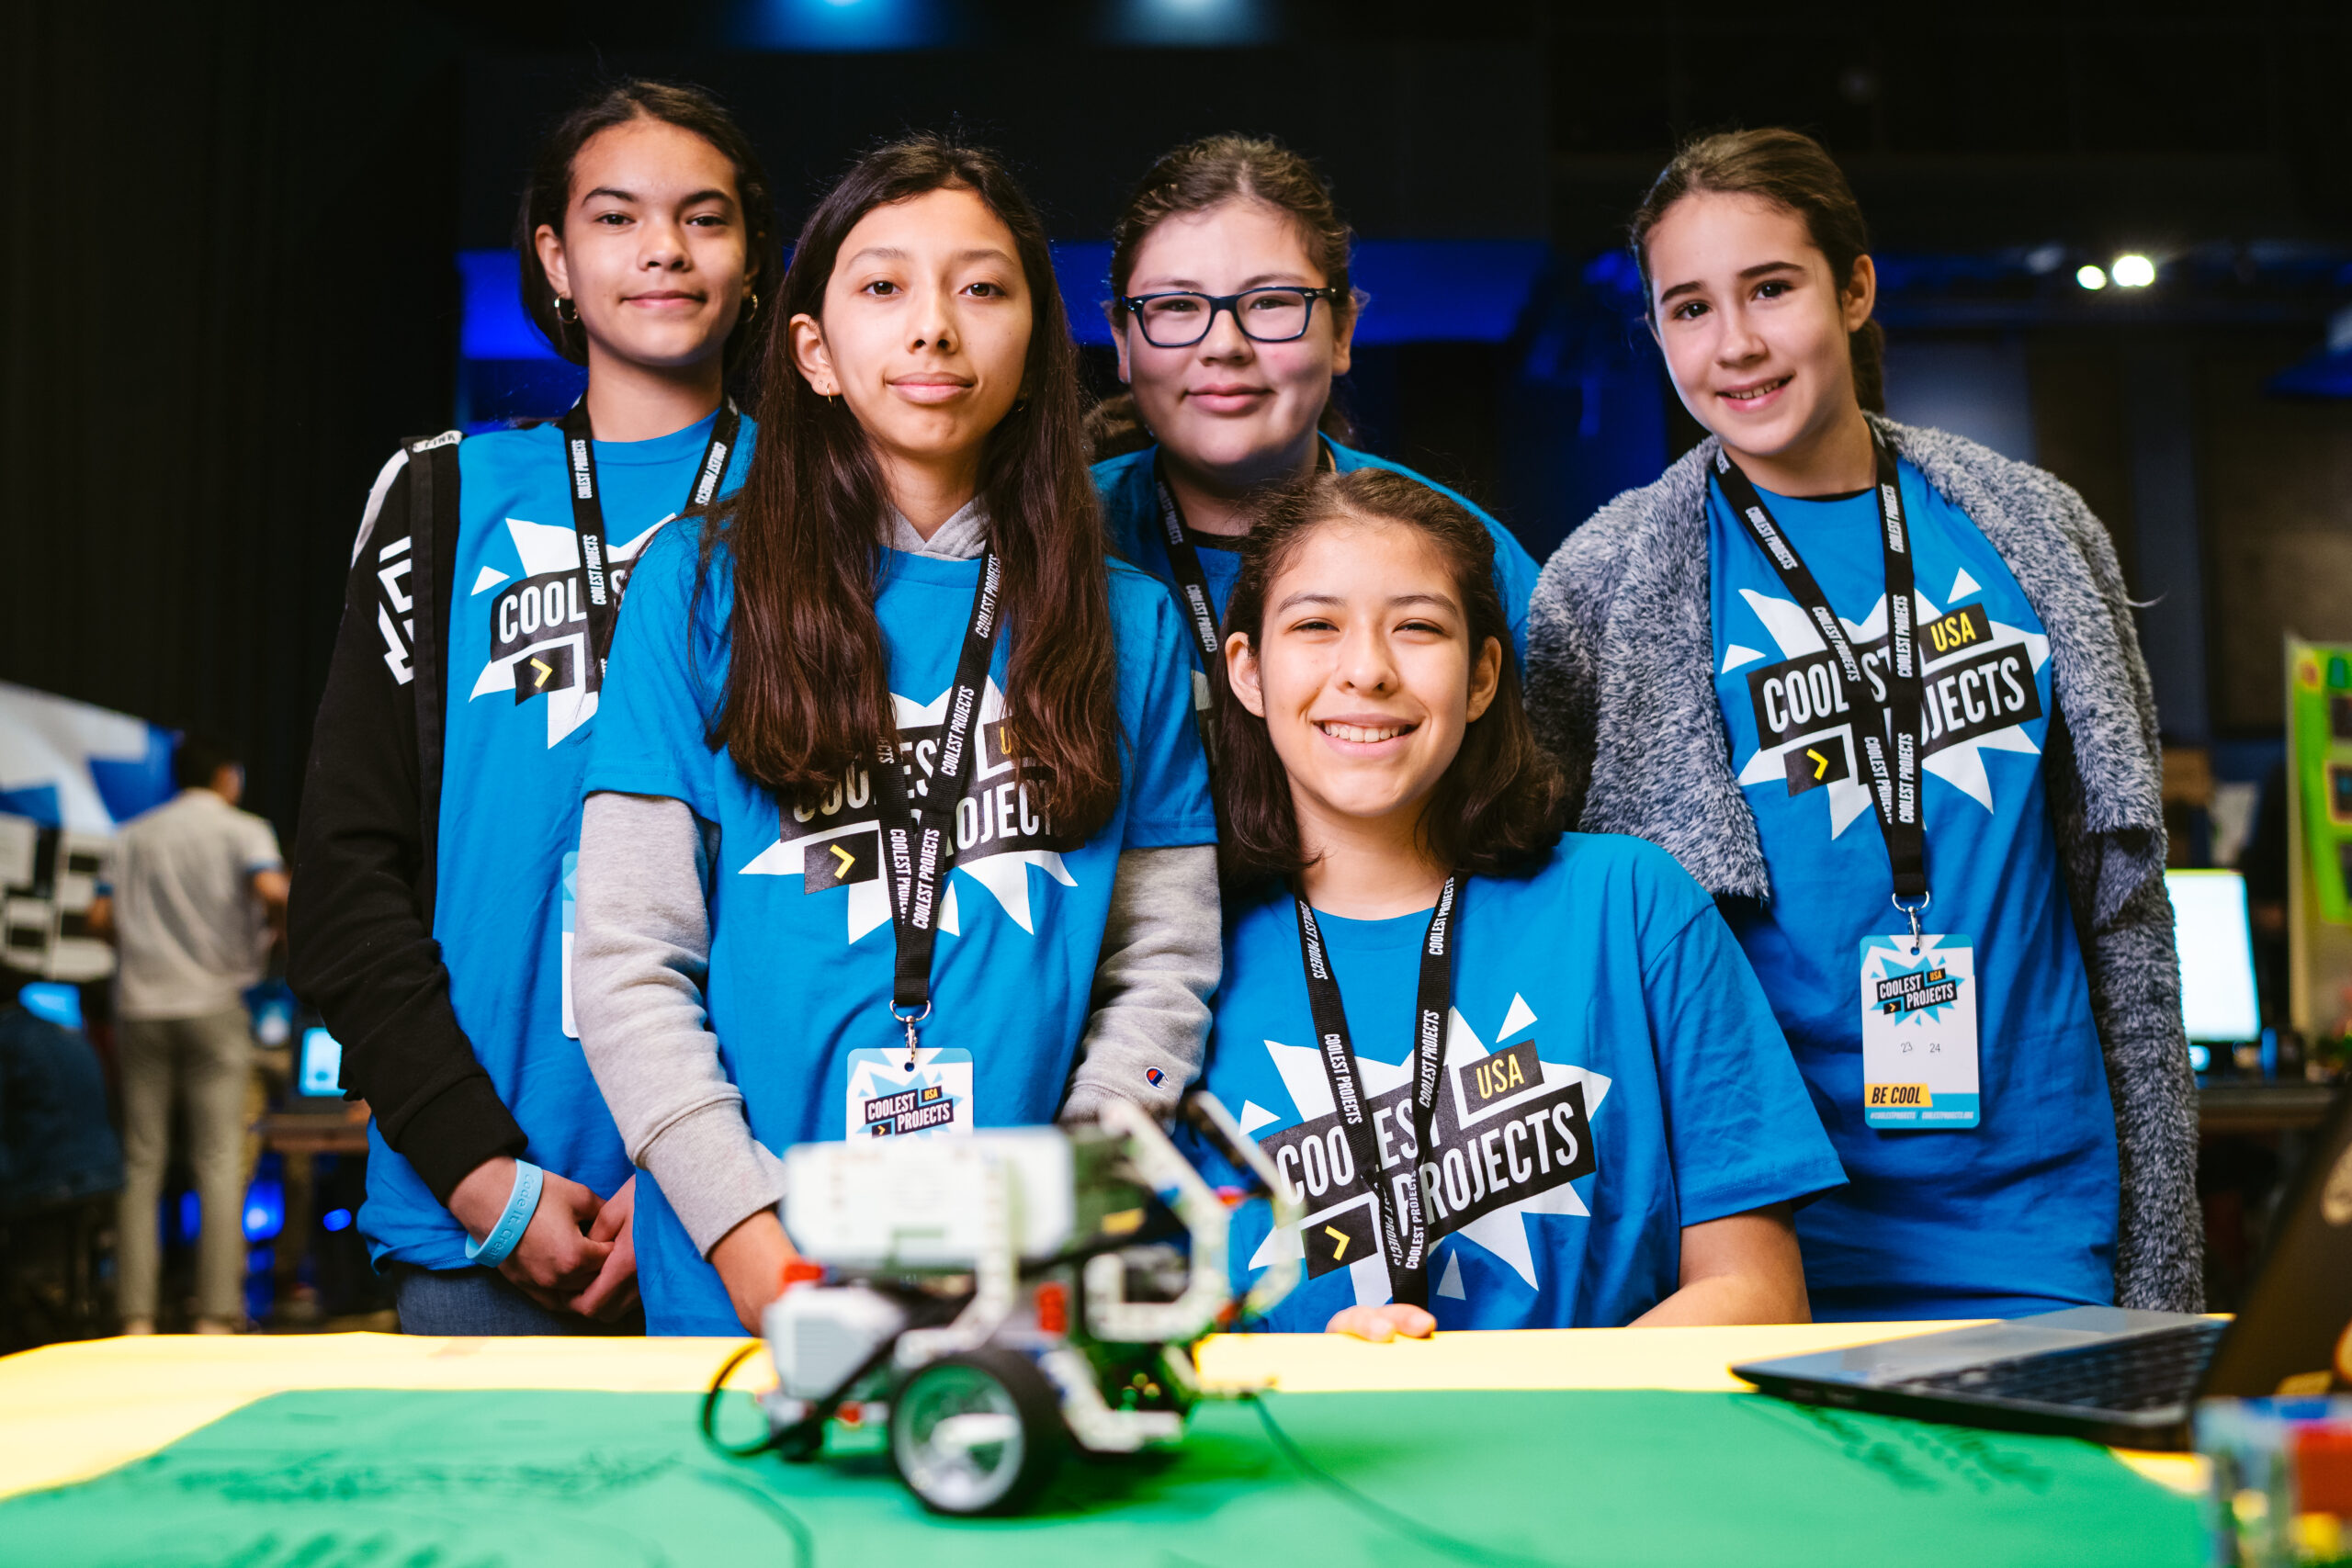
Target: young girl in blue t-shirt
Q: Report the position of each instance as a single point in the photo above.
(1519, 1080)
(431, 915)
(898, 821)
(1878, 688)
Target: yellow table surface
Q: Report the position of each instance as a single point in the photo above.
(69, 1411)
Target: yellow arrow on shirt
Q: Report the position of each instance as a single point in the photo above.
(1820, 762)
(545, 669)
(1341, 1238)
(848, 860)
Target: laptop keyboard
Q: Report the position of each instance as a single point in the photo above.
(2145, 1373)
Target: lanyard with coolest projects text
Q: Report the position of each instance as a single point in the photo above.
(588, 511)
(918, 831)
(1192, 583)
(1896, 780)
(1404, 1225)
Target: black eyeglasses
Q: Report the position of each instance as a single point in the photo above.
(1278, 315)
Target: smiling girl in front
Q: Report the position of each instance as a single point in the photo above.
(1014, 911)
(1878, 688)
(1573, 1108)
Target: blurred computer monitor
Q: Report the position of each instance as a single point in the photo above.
(318, 1073)
(2217, 995)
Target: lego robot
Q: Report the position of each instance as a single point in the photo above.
(999, 1297)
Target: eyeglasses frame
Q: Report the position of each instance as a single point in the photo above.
(1134, 303)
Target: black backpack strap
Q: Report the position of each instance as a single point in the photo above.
(433, 533)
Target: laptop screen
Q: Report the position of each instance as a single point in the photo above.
(2217, 995)
(322, 1068)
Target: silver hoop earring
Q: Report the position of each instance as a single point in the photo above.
(566, 312)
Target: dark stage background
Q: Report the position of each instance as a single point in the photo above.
(231, 286)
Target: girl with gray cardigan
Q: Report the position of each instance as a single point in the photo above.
(1878, 688)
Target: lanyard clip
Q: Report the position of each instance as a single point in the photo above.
(910, 1021)
(1910, 909)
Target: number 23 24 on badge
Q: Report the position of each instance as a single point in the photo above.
(1919, 1033)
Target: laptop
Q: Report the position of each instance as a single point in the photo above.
(2125, 1378)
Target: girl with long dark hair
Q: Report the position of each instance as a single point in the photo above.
(899, 823)
(431, 915)
(1233, 308)
(1573, 1109)
(1878, 688)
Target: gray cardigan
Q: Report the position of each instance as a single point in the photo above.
(1620, 663)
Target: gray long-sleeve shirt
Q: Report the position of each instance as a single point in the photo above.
(641, 956)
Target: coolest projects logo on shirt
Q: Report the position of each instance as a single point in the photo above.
(1001, 828)
(538, 622)
(1978, 675)
(1511, 1131)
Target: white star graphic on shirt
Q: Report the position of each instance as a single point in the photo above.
(1004, 872)
(1503, 1231)
(1960, 764)
(545, 547)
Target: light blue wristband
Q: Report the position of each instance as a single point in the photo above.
(521, 1204)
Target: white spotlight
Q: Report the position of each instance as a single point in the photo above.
(2090, 277)
(2134, 272)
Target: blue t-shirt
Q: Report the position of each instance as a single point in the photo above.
(521, 701)
(1612, 1076)
(1131, 511)
(2018, 1214)
(802, 946)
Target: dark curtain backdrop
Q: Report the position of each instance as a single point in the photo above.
(226, 292)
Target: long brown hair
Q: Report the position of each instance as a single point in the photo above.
(549, 196)
(1795, 173)
(1193, 179)
(807, 694)
(1500, 804)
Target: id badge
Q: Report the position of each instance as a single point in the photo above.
(1920, 1033)
(886, 1100)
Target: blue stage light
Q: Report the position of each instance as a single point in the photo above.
(265, 1209)
(1196, 24)
(335, 1220)
(838, 27)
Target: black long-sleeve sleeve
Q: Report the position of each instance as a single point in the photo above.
(359, 937)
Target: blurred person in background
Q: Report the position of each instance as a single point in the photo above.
(197, 896)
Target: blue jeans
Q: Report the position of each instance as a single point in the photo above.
(482, 1300)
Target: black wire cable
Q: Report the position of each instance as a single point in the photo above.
(1429, 1536)
(710, 1409)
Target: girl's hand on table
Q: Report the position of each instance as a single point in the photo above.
(1382, 1324)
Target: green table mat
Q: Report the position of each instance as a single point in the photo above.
(343, 1478)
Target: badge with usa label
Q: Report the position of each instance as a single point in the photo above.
(1920, 1033)
(887, 1099)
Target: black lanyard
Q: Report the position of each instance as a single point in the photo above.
(1193, 586)
(1405, 1234)
(919, 834)
(588, 511)
(1897, 783)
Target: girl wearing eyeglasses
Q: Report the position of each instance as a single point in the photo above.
(1233, 312)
